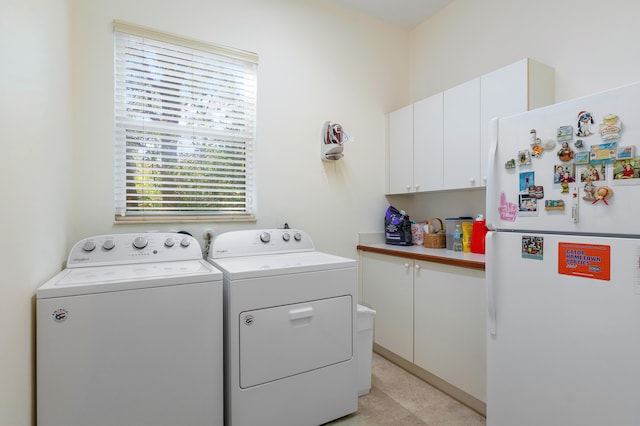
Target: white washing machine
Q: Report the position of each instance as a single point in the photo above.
(130, 333)
(290, 315)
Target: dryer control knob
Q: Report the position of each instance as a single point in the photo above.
(169, 242)
(286, 236)
(297, 236)
(185, 242)
(140, 243)
(108, 245)
(265, 237)
(89, 246)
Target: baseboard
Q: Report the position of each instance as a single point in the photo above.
(435, 381)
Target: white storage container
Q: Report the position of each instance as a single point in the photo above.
(365, 348)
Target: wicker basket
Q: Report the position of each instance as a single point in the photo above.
(437, 238)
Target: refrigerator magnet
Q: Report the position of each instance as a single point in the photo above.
(585, 120)
(550, 144)
(564, 173)
(603, 193)
(625, 152)
(536, 150)
(565, 133)
(532, 247)
(524, 157)
(585, 260)
(603, 153)
(589, 190)
(536, 191)
(565, 153)
(582, 158)
(528, 205)
(511, 164)
(627, 172)
(554, 205)
(527, 179)
(592, 173)
(610, 128)
(507, 210)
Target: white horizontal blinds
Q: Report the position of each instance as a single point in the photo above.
(185, 125)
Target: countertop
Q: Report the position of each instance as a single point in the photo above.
(448, 257)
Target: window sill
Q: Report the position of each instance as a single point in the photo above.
(124, 220)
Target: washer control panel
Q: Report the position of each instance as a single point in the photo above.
(115, 249)
(260, 241)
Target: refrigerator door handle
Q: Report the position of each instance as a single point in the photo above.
(490, 196)
(490, 267)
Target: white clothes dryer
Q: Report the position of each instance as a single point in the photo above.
(290, 315)
(130, 333)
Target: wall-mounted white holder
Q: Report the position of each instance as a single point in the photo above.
(333, 136)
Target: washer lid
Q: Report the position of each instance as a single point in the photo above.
(101, 279)
(279, 264)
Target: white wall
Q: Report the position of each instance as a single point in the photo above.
(35, 168)
(317, 62)
(592, 45)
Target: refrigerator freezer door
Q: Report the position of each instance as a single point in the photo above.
(508, 205)
(566, 347)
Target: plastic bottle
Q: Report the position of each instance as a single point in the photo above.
(457, 239)
(478, 235)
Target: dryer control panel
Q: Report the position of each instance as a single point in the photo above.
(259, 242)
(119, 249)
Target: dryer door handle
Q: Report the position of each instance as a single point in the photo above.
(296, 314)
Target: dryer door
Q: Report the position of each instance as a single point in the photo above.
(286, 340)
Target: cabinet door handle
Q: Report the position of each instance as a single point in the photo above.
(417, 188)
(408, 188)
(417, 267)
(406, 266)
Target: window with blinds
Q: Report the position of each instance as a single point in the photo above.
(185, 114)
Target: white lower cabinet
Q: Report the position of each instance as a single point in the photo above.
(430, 314)
(450, 325)
(387, 287)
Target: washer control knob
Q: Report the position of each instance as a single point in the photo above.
(297, 236)
(185, 242)
(140, 243)
(108, 245)
(169, 242)
(286, 236)
(89, 246)
(265, 237)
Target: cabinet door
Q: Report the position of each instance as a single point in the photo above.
(462, 136)
(428, 166)
(516, 88)
(450, 325)
(387, 287)
(400, 151)
(503, 93)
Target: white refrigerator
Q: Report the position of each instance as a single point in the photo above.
(563, 264)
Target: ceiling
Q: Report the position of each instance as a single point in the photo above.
(403, 13)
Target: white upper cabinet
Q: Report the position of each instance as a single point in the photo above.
(442, 142)
(462, 136)
(400, 151)
(516, 88)
(415, 147)
(428, 166)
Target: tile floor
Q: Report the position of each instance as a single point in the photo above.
(401, 399)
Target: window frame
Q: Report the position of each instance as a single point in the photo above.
(245, 140)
